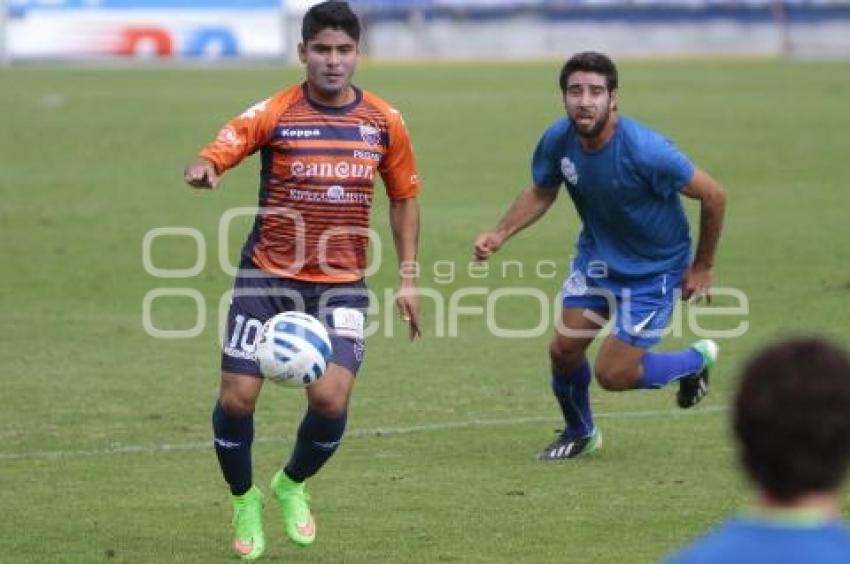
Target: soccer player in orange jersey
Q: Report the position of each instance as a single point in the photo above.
(321, 144)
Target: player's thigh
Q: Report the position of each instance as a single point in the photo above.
(644, 309)
(642, 314)
(342, 308)
(576, 329)
(257, 296)
(331, 394)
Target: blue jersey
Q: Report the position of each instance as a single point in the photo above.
(627, 195)
(746, 540)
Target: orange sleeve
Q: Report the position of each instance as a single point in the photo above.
(398, 167)
(246, 133)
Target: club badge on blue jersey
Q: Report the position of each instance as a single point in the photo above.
(568, 168)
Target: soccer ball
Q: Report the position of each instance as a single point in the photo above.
(293, 349)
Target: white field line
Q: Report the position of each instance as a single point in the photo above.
(355, 433)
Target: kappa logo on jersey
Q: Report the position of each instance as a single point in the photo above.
(568, 168)
(297, 133)
(371, 135)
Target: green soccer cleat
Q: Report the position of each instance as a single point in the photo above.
(249, 541)
(298, 521)
(693, 388)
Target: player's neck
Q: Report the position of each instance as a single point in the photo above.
(342, 98)
(817, 506)
(598, 141)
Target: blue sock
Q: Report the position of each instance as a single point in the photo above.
(232, 439)
(659, 369)
(318, 439)
(573, 395)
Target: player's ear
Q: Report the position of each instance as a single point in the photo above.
(302, 52)
(613, 103)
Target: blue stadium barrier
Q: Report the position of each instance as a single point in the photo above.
(206, 39)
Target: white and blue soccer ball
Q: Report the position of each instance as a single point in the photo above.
(293, 349)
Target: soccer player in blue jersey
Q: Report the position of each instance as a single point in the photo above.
(633, 256)
(792, 423)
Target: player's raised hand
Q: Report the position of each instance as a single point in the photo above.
(696, 284)
(408, 309)
(200, 173)
(486, 244)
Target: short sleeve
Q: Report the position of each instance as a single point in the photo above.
(545, 164)
(670, 169)
(242, 135)
(398, 167)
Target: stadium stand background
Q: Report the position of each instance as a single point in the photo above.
(216, 30)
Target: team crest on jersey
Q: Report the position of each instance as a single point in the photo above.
(370, 134)
(568, 168)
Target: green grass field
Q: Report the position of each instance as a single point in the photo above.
(104, 432)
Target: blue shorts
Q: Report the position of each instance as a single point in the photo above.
(259, 295)
(642, 307)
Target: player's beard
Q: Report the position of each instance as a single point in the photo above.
(596, 128)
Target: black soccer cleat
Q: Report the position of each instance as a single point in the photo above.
(564, 448)
(693, 388)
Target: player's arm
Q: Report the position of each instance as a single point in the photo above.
(528, 207)
(404, 221)
(239, 138)
(712, 198)
(398, 170)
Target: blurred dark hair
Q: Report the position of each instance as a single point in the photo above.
(332, 14)
(589, 61)
(792, 417)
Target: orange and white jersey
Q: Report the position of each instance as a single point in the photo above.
(317, 179)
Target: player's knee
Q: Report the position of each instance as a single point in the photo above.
(615, 377)
(330, 405)
(236, 405)
(565, 355)
(330, 401)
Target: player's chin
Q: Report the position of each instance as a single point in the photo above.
(588, 129)
(333, 85)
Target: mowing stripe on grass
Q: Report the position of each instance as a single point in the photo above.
(357, 433)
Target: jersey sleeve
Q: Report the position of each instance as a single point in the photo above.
(242, 136)
(670, 169)
(398, 167)
(545, 166)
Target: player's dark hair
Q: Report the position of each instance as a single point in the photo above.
(589, 61)
(792, 418)
(332, 14)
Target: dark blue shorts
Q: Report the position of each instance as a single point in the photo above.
(259, 295)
